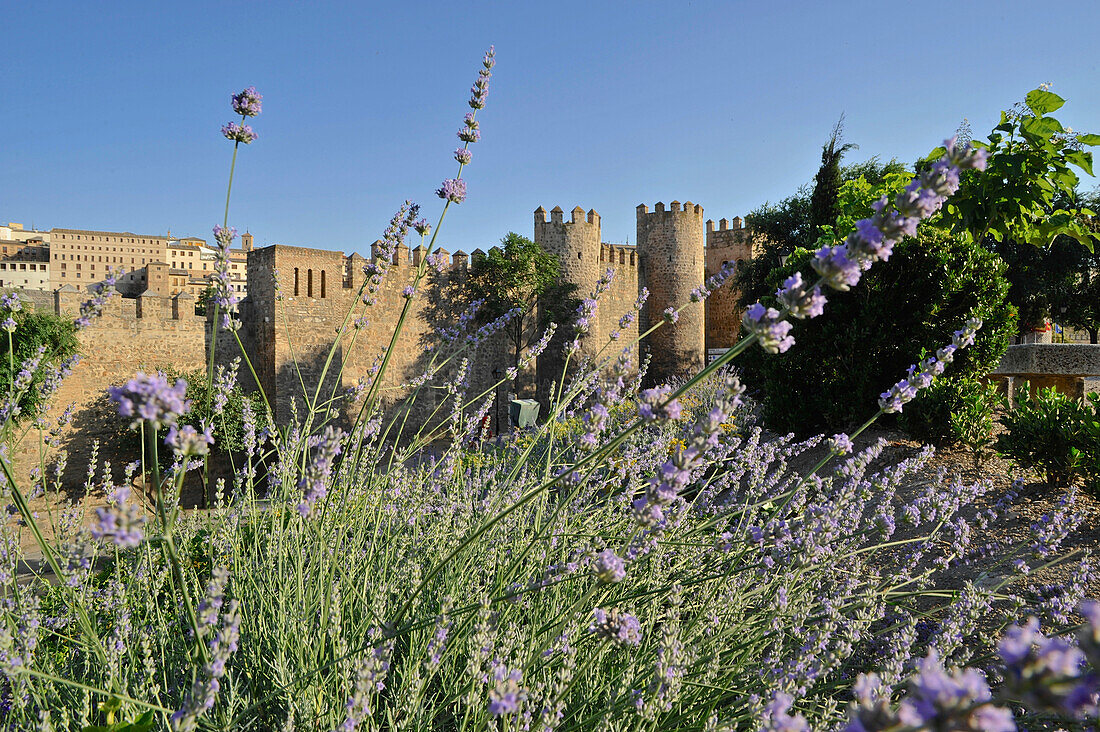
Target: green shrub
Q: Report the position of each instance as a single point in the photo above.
(931, 416)
(856, 349)
(972, 420)
(1057, 436)
(34, 329)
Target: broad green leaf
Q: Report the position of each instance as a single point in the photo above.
(1043, 102)
(1089, 139)
(936, 154)
(1082, 160)
(1041, 127)
(1083, 237)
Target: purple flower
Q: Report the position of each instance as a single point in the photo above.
(469, 134)
(422, 227)
(800, 300)
(652, 406)
(463, 156)
(897, 396)
(247, 103)
(187, 441)
(957, 700)
(507, 696)
(370, 678)
(119, 521)
(453, 190)
(772, 332)
(609, 567)
(238, 133)
(408, 292)
(11, 302)
(8, 324)
(921, 376)
(868, 242)
(670, 315)
(221, 642)
(619, 628)
(314, 482)
(152, 399)
(777, 717)
(966, 157)
(101, 292)
(839, 271)
(1046, 673)
(480, 89)
(840, 444)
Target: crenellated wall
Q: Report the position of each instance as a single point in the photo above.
(584, 259)
(728, 242)
(299, 300)
(132, 334)
(294, 334)
(672, 245)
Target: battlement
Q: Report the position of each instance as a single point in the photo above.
(146, 310)
(618, 255)
(557, 216)
(689, 208)
(724, 225)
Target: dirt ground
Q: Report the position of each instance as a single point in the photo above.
(1034, 500)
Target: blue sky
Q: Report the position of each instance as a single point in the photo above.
(112, 110)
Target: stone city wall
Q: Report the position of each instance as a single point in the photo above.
(132, 334)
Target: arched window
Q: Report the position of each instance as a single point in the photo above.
(295, 282)
(322, 283)
(309, 283)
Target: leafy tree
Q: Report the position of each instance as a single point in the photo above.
(867, 337)
(788, 225)
(205, 297)
(518, 275)
(34, 329)
(1027, 193)
(1078, 304)
(1040, 280)
(823, 202)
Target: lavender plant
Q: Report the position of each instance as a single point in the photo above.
(643, 559)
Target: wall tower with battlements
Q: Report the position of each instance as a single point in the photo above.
(576, 243)
(727, 242)
(672, 248)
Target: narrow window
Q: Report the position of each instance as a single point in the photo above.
(309, 283)
(322, 284)
(295, 282)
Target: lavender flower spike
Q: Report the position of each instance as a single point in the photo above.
(619, 628)
(771, 330)
(239, 133)
(120, 521)
(609, 567)
(921, 376)
(152, 399)
(453, 190)
(800, 300)
(248, 102)
(101, 292)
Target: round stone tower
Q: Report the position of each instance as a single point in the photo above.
(576, 243)
(671, 247)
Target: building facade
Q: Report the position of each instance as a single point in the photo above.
(48, 260)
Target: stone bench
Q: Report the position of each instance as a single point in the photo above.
(1073, 369)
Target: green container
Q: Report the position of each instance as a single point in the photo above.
(523, 412)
